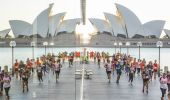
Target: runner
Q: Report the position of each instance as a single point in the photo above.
(163, 85)
(150, 68)
(145, 76)
(39, 73)
(108, 70)
(131, 74)
(168, 83)
(155, 68)
(16, 66)
(138, 67)
(98, 59)
(118, 70)
(21, 68)
(1, 82)
(7, 85)
(25, 77)
(57, 70)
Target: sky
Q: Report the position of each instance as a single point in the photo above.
(27, 10)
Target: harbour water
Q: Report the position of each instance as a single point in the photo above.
(24, 53)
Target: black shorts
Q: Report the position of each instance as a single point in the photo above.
(145, 80)
(39, 74)
(119, 72)
(108, 72)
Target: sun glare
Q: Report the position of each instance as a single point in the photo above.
(84, 32)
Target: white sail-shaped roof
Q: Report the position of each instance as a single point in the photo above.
(68, 26)
(3, 33)
(167, 32)
(155, 27)
(20, 27)
(41, 23)
(132, 23)
(115, 23)
(101, 25)
(54, 22)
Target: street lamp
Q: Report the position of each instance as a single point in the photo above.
(45, 45)
(120, 45)
(159, 44)
(127, 45)
(33, 45)
(115, 44)
(52, 44)
(139, 44)
(12, 45)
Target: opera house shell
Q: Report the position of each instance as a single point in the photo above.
(125, 24)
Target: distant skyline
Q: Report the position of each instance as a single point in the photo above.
(27, 10)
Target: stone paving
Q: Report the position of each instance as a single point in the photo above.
(95, 88)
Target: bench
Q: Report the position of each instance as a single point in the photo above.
(87, 73)
(78, 73)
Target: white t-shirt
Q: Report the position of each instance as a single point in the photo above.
(6, 82)
(108, 67)
(163, 83)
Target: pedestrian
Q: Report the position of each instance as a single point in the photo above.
(25, 77)
(39, 73)
(145, 76)
(163, 85)
(131, 74)
(150, 68)
(118, 70)
(16, 67)
(57, 69)
(155, 68)
(108, 69)
(1, 82)
(138, 66)
(6, 85)
(168, 83)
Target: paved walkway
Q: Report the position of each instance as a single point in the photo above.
(97, 88)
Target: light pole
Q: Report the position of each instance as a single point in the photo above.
(45, 45)
(12, 45)
(139, 44)
(127, 45)
(52, 44)
(115, 44)
(159, 44)
(120, 45)
(33, 45)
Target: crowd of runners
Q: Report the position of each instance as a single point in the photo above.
(114, 64)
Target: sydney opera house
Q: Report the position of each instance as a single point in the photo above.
(122, 27)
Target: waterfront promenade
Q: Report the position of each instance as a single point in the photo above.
(96, 88)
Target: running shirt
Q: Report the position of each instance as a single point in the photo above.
(138, 64)
(39, 69)
(163, 83)
(155, 66)
(16, 65)
(57, 66)
(108, 67)
(145, 74)
(132, 69)
(6, 81)
(117, 66)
